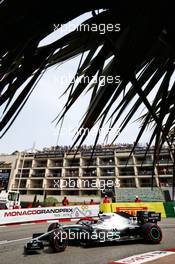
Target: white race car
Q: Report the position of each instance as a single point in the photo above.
(108, 227)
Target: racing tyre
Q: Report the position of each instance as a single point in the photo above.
(58, 240)
(52, 227)
(152, 233)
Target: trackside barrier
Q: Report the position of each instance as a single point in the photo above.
(132, 208)
(148, 257)
(106, 208)
(47, 213)
(169, 209)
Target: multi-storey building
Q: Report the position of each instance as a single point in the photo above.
(7, 167)
(60, 173)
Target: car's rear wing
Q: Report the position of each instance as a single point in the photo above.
(147, 216)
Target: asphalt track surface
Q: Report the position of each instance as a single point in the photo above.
(13, 238)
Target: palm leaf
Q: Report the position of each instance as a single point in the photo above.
(142, 54)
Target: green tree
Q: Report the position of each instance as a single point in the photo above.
(50, 201)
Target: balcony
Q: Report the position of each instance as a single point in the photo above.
(164, 160)
(21, 186)
(126, 172)
(53, 192)
(69, 184)
(165, 171)
(142, 171)
(72, 163)
(129, 183)
(88, 184)
(125, 162)
(71, 173)
(89, 173)
(165, 182)
(40, 164)
(27, 164)
(107, 172)
(36, 186)
(38, 175)
(51, 184)
(23, 175)
(15, 186)
(56, 164)
(147, 182)
(89, 162)
(141, 161)
(54, 175)
(145, 173)
(107, 162)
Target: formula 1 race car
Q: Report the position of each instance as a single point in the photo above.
(108, 227)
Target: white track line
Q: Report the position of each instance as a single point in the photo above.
(12, 241)
(27, 224)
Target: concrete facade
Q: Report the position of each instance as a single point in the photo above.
(58, 173)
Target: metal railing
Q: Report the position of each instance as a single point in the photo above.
(24, 175)
(53, 175)
(89, 174)
(39, 175)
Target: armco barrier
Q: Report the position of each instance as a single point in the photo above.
(46, 213)
(132, 208)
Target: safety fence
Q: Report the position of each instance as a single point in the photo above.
(76, 212)
(47, 213)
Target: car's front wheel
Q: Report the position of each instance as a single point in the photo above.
(52, 226)
(58, 240)
(152, 233)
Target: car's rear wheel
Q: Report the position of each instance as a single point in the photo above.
(152, 233)
(58, 240)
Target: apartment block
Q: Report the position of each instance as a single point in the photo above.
(61, 173)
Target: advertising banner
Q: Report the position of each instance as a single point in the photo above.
(47, 213)
(132, 208)
(145, 257)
